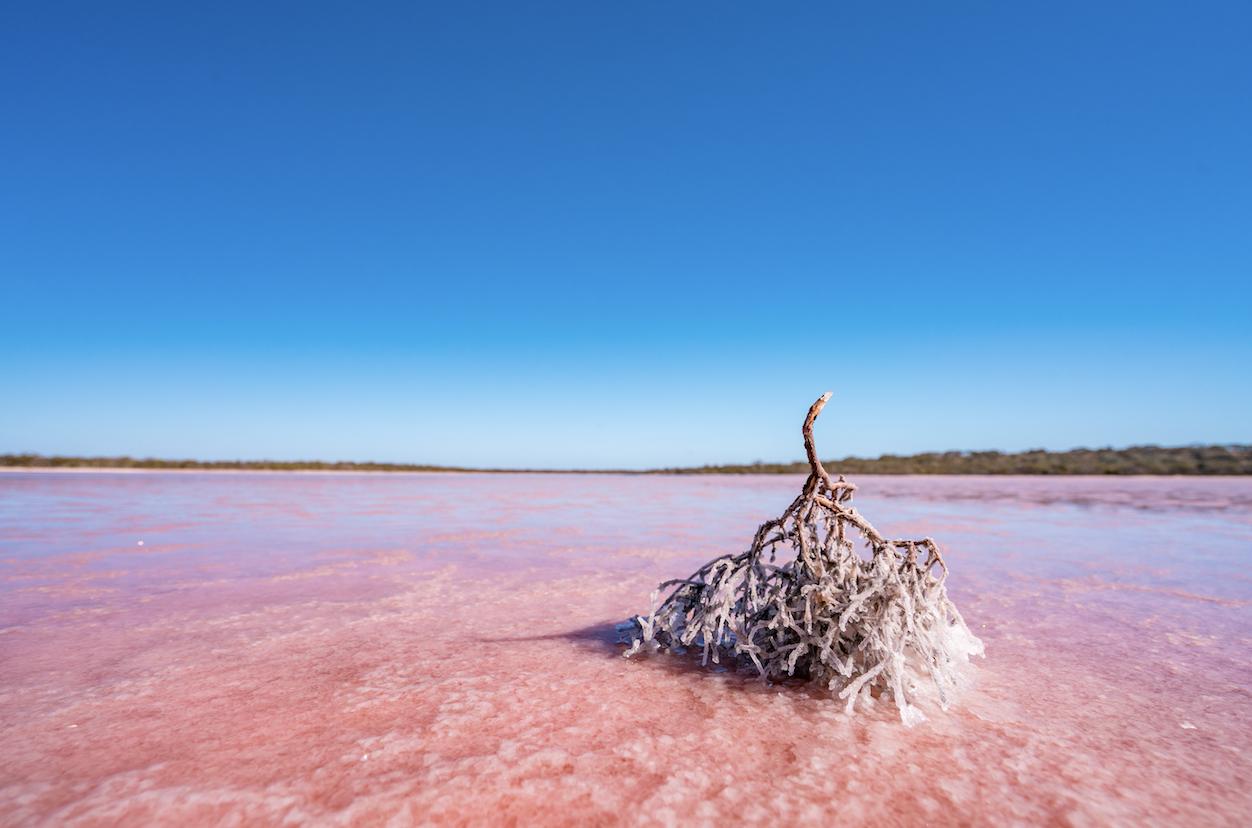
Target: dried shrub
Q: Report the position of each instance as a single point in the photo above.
(860, 626)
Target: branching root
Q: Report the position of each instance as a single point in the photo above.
(862, 627)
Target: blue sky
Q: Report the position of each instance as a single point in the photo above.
(622, 234)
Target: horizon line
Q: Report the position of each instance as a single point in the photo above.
(1146, 459)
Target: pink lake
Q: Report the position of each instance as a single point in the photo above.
(403, 650)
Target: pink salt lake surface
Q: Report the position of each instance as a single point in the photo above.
(397, 650)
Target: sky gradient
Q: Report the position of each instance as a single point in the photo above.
(627, 235)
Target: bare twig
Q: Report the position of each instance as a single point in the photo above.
(860, 626)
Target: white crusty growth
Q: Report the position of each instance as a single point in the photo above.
(827, 614)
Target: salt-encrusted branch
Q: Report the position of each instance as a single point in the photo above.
(858, 625)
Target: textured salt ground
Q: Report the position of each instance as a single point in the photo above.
(408, 650)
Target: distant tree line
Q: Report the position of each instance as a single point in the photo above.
(38, 461)
(1136, 460)
(1232, 460)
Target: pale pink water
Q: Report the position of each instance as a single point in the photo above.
(422, 649)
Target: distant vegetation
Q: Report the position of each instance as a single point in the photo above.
(1137, 460)
(38, 461)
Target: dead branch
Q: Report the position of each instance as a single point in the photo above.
(860, 626)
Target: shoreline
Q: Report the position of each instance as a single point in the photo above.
(608, 472)
(141, 470)
(1230, 460)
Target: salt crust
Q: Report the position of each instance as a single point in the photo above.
(210, 690)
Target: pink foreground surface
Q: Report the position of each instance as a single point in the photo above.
(438, 649)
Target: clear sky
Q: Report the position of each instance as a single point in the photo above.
(622, 234)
